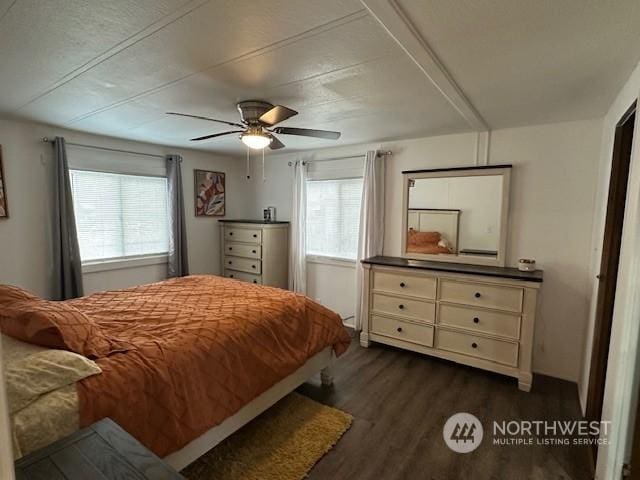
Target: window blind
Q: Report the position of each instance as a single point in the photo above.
(119, 215)
(333, 217)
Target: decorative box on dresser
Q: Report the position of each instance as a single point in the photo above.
(256, 251)
(476, 315)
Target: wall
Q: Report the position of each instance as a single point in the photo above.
(552, 201)
(25, 257)
(622, 377)
(334, 285)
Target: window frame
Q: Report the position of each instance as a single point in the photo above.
(120, 263)
(126, 261)
(332, 259)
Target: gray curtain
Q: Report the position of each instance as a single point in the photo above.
(178, 258)
(67, 261)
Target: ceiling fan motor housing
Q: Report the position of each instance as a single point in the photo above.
(252, 110)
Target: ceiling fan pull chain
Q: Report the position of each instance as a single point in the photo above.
(264, 174)
(248, 164)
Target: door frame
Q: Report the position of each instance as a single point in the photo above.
(623, 369)
(609, 263)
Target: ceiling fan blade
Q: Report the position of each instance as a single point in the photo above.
(275, 143)
(276, 115)
(206, 118)
(307, 132)
(214, 135)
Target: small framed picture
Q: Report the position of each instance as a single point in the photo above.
(4, 211)
(210, 193)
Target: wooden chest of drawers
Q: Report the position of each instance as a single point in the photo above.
(256, 252)
(486, 321)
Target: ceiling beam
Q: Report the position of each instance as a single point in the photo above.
(398, 25)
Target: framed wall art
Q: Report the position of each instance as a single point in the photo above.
(209, 193)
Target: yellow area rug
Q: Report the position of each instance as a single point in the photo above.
(284, 443)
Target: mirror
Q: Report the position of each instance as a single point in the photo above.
(457, 215)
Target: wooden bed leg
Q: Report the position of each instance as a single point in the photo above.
(326, 376)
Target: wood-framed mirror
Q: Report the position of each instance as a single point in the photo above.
(456, 214)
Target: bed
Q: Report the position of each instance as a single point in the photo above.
(180, 364)
(432, 231)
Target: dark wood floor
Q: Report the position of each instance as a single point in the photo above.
(400, 402)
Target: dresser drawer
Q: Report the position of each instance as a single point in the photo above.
(424, 287)
(242, 250)
(247, 235)
(480, 347)
(483, 295)
(242, 264)
(413, 309)
(409, 332)
(483, 321)
(245, 277)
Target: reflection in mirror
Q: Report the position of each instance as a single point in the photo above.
(455, 216)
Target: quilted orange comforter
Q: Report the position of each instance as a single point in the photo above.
(200, 348)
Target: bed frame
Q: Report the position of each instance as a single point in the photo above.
(321, 362)
(446, 222)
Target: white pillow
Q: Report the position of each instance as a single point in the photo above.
(444, 243)
(31, 377)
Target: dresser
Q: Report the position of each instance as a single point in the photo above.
(256, 251)
(471, 314)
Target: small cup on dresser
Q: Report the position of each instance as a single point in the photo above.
(526, 265)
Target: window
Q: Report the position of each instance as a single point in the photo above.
(333, 217)
(120, 215)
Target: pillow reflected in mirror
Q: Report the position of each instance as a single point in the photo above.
(426, 242)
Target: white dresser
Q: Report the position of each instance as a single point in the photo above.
(475, 315)
(255, 251)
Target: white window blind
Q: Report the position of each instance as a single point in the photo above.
(119, 215)
(333, 217)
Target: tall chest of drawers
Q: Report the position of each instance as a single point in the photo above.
(255, 252)
(478, 316)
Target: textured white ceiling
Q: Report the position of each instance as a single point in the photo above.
(533, 61)
(115, 67)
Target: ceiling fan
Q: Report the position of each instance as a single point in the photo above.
(259, 120)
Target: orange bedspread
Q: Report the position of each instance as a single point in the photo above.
(201, 347)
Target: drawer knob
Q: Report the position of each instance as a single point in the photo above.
(230, 234)
(402, 285)
(230, 262)
(255, 281)
(474, 345)
(401, 307)
(253, 251)
(476, 320)
(255, 235)
(399, 329)
(230, 276)
(477, 295)
(230, 248)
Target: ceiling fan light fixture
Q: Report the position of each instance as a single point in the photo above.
(256, 141)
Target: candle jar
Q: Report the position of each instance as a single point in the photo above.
(526, 265)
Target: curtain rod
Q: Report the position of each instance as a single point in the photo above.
(379, 154)
(107, 149)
